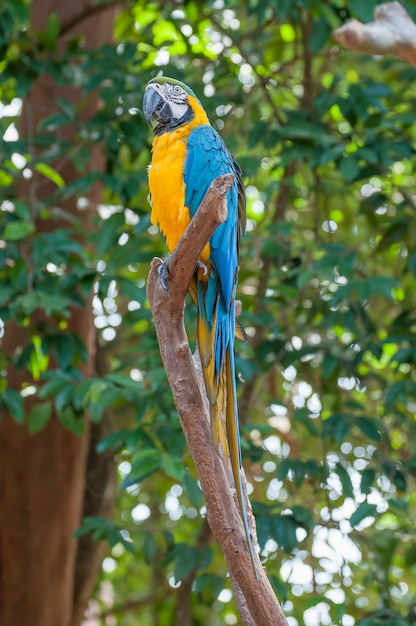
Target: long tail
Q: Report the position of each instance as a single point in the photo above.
(233, 438)
(219, 377)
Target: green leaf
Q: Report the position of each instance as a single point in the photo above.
(22, 210)
(347, 488)
(51, 122)
(13, 402)
(64, 396)
(49, 302)
(349, 168)
(172, 467)
(367, 478)
(192, 489)
(370, 427)
(383, 618)
(205, 557)
(48, 171)
(102, 530)
(362, 511)
(207, 582)
(123, 381)
(63, 350)
(284, 532)
(299, 472)
(283, 469)
(67, 107)
(337, 426)
(399, 504)
(93, 390)
(185, 562)
(303, 416)
(15, 231)
(144, 463)
(39, 416)
(300, 129)
(114, 440)
(383, 285)
(57, 381)
(131, 289)
(319, 35)
(399, 480)
(302, 516)
(279, 587)
(363, 11)
(72, 420)
(410, 555)
(149, 548)
(80, 350)
(109, 233)
(52, 27)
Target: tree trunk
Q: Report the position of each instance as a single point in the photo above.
(42, 476)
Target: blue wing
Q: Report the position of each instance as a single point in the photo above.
(207, 158)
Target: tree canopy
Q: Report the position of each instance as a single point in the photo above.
(327, 381)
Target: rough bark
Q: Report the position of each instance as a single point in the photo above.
(257, 603)
(99, 497)
(391, 33)
(42, 476)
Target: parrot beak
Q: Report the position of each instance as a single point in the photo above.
(155, 108)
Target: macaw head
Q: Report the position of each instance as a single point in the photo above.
(169, 103)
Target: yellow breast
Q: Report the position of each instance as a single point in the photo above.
(166, 184)
(167, 187)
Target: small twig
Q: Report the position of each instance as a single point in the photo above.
(134, 605)
(88, 12)
(306, 27)
(190, 400)
(392, 32)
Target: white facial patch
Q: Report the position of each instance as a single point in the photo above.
(177, 98)
(178, 110)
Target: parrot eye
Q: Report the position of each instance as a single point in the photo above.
(177, 93)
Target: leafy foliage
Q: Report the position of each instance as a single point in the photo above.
(327, 281)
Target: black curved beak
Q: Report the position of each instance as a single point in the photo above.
(155, 108)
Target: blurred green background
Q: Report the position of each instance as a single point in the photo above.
(327, 383)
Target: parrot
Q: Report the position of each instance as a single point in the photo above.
(188, 154)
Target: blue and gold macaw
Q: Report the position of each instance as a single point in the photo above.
(187, 155)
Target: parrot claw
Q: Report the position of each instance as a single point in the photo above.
(163, 270)
(202, 267)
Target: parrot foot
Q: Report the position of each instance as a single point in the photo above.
(163, 276)
(200, 265)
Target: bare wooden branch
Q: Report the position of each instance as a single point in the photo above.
(224, 518)
(182, 263)
(392, 32)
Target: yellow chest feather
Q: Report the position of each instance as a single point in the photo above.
(166, 184)
(167, 187)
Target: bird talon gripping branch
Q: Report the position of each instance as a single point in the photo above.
(202, 267)
(163, 271)
(188, 155)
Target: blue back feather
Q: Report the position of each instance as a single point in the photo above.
(208, 157)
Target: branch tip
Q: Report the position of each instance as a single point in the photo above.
(223, 183)
(392, 32)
